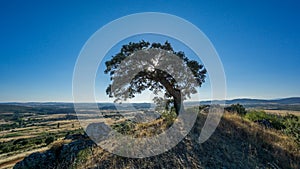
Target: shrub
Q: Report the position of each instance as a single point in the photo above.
(83, 155)
(169, 117)
(21, 141)
(275, 121)
(202, 107)
(237, 108)
(292, 126)
(6, 149)
(49, 140)
(124, 127)
(38, 141)
(255, 115)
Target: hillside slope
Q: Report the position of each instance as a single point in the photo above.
(235, 144)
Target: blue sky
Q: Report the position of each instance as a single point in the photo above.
(258, 43)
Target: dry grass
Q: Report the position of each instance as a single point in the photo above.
(273, 141)
(49, 126)
(145, 129)
(283, 112)
(240, 142)
(150, 129)
(258, 139)
(269, 135)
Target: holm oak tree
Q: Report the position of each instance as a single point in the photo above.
(140, 66)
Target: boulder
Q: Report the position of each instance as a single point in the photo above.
(63, 156)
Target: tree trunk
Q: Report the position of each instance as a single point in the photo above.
(159, 76)
(178, 104)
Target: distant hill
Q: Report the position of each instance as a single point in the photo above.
(290, 100)
(291, 103)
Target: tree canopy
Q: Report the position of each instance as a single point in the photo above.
(157, 67)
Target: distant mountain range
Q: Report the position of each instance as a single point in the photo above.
(291, 103)
(290, 100)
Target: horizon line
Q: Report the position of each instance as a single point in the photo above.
(228, 99)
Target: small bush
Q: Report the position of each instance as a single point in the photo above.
(169, 117)
(125, 127)
(236, 108)
(49, 140)
(292, 126)
(21, 141)
(83, 155)
(6, 149)
(38, 141)
(257, 116)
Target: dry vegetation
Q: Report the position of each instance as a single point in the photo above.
(236, 143)
(283, 148)
(283, 112)
(19, 142)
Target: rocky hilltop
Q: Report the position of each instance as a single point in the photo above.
(234, 144)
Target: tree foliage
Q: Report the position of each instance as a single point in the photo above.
(140, 66)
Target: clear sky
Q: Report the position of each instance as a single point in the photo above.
(258, 43)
